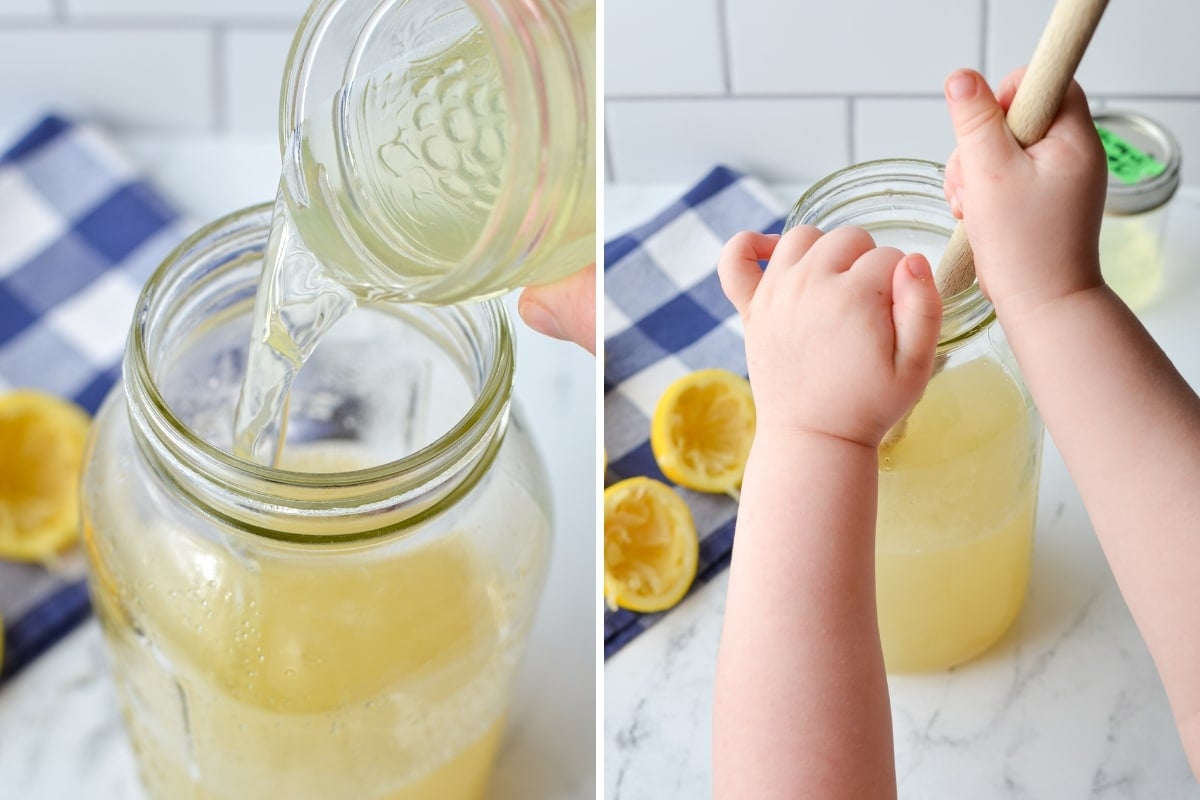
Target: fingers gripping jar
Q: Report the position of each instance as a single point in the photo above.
(346, 625)
(441, 151)
(958, 489)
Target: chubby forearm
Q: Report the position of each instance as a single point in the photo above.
(1128, 427)
(801, 705)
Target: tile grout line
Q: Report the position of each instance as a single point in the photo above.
(1158, 98)
(851, 121)
(726, 50)
(775, 96)
(984, 11)
(219, 72)
(660, 98)
(66, 21)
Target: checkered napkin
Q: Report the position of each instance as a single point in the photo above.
(79, 234)
(665, 316)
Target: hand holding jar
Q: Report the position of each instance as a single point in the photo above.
(565, 309)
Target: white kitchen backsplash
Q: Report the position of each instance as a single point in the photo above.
(789, 89)
(147, 66)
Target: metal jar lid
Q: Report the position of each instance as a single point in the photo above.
(1149, 137)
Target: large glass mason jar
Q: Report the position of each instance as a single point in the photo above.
(442, 150)
(958, 479)
(346, 625)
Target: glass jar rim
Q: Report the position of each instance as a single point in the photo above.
(470, 444)
(965, 313)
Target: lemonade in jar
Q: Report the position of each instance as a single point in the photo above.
(345, 623)
(316, 525)
(958, 481)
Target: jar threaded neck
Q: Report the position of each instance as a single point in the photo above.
(214, 273)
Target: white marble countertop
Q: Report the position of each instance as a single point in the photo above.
(60, 732)
(1067, 705)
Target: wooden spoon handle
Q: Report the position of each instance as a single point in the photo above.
(1058, 53)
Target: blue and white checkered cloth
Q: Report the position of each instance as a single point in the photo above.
(665, 316)
(79, 235)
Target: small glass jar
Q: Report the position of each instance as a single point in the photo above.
(1144, 164)
(958, 486)
(346, 625)
(440, 151)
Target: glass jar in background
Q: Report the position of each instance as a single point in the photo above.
(1143, 174)
(441, 151)
(346, 625)
(958, 489)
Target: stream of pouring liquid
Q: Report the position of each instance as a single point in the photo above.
(296, 305)
(433, 137)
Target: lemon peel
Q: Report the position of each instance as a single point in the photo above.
(702, 429)
(650, 545)
(42, 440)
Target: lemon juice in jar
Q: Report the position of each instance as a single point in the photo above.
(429, 179)
(958, 486)
(957, 499)
(293, 682)
(381, 673)
(316, 528)
(347, 621)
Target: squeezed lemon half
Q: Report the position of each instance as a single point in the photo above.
(650, 545)
(702, 429)
(41, 459)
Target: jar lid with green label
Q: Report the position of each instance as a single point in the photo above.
(1143, 162)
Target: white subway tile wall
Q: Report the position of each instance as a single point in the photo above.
(26, 9)
(913, 127)
(851, 46)
(655, 50)
(1142, 48)
(791, 89)
(158, 79)
(785, 88)
(147, 66)
(285, 11)
(253, 75)
(790, 139)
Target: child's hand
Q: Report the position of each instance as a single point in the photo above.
(1033, 216)
(840, 334)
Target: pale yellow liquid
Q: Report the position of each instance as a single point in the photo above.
(957, 499)
(343, 677)
(351, 675)
(433, 144)
(1131, 256)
